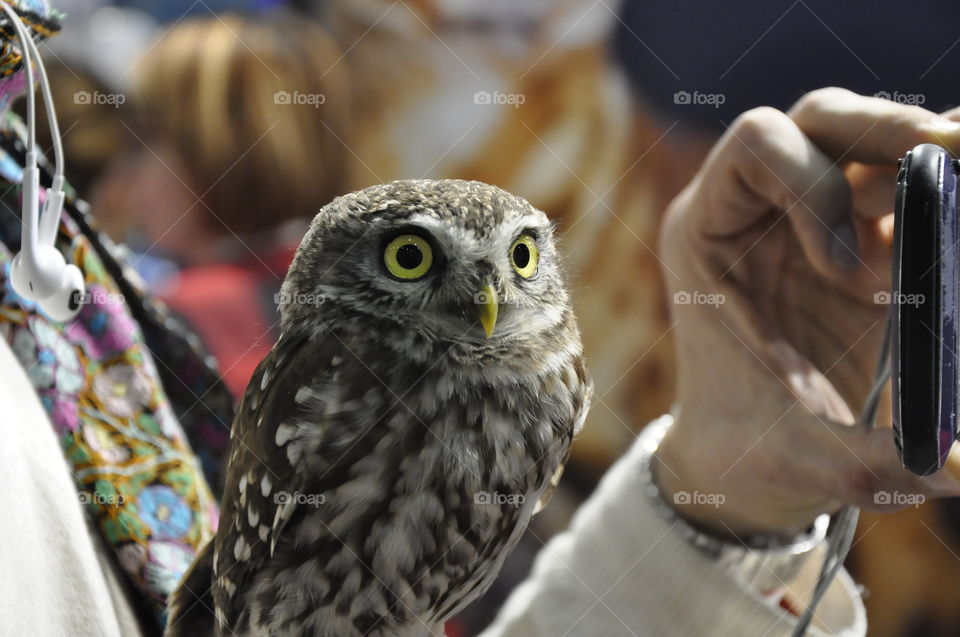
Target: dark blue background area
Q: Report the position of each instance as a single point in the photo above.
(170, 10)
(770, 52)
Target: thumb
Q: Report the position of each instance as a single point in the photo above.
(869, 473)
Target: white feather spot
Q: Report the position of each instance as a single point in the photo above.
(294, 453)
(336, 360)
(284, 433)
(265, 486)
(253, 516)
(241, 550)
(303, 394)
(262, 531)
(243, 483)
(265, 379)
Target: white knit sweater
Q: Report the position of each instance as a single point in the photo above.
(619, 569)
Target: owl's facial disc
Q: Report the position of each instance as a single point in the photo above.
(451, 264)
(482, 284)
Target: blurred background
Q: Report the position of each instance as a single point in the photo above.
(207, 134)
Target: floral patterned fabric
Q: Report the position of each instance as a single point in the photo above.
(97, 378)
(133, 467)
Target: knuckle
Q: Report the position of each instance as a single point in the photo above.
(762, 143)
(817, 101)
(758, 125)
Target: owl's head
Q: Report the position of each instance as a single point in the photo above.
(421, 261)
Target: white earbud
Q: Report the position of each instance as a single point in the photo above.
(39, 272)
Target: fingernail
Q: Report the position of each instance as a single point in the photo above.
(844, 247)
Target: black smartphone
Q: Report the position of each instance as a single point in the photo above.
(924, 309)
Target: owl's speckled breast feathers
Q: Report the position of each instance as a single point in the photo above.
(392, 447)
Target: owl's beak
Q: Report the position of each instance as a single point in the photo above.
(488, 306)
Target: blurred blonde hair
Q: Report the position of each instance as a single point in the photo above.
(256, 108)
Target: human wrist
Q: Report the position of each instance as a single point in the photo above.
(762, 562)
(714, 504)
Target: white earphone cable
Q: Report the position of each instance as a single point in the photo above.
(39, 272)
(50, 218)
(48, 101)
(29, 221)
(46, 225)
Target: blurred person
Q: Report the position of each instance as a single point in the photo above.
(95, 133)
(90, 92)
(90, 67)
(239, 141)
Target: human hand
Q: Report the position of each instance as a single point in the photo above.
(774, 256)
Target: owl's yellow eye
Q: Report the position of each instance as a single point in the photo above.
(525, 256)
(408, 257)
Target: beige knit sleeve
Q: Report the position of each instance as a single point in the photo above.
(620, 569)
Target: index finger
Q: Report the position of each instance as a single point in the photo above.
(870, 130)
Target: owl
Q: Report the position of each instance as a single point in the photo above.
(416, 411)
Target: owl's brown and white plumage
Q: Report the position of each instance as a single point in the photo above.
(392, 447)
